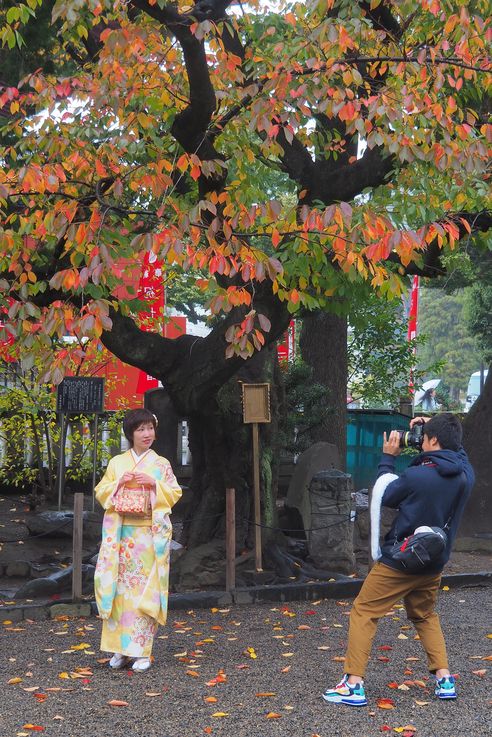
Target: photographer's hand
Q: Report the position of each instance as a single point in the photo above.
(418, 421)
(391, 445)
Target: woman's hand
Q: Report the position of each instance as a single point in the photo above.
(126, 478)
(143, 478)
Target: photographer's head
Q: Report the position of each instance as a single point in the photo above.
(441, 432)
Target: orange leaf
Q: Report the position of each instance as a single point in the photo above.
(273, 715)
(192, 673)
(210, 699)
(266, 693)
(116, 702)
(385, 703)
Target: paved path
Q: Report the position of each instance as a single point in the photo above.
(203, 669)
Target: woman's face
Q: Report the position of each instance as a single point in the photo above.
(143, 437)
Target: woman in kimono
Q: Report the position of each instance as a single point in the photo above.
(132, 573)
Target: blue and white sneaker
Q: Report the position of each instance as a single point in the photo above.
(445, 688)
(346, 693)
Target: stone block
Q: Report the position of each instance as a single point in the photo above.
(330, 539)
(18, 568)
(36, 613)
(244, 596)
(13, 614)
(82, 609)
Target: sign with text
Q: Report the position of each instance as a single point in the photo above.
(80, 394)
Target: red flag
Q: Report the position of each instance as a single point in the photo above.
(286, 348)
(412, 321)
(414, 309)
(150, 290)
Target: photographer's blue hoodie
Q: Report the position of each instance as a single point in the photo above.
(424, 494)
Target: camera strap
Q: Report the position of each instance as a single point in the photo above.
(456, 501)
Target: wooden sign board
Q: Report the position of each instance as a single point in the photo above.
(256, 403)
(80, 394)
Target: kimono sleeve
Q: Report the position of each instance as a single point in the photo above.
(107, 486)
(168, 491)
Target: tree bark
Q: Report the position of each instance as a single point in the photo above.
(477, 441)
(323, 346)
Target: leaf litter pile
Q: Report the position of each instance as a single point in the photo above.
(254, 671)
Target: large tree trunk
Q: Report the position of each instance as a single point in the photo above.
(324, 347)
(477, 440)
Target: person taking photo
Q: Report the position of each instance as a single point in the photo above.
(433, 491)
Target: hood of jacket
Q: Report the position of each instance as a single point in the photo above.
(446, 462)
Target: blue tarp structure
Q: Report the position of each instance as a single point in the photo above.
(365, 429)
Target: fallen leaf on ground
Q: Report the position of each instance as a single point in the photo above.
(117, 702)
(385, 703)
(210, 699)
(13, 681)
(153, 693)
(221, 714)
(266, 693)
(273, 715)
(480, 673)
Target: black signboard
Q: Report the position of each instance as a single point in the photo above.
(80, 394)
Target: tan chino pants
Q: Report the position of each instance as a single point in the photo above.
(382, 589)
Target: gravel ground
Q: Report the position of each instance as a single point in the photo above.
(200, 655)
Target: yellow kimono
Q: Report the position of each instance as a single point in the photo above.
(132, 573)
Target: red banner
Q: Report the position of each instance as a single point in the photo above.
(286, 348)
(150, 290)
(412, 321)
(414, 309)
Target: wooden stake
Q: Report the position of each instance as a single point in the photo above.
(256, 486)
(78, 527)
(230, 539)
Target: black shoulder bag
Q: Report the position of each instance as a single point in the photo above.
(419, 550)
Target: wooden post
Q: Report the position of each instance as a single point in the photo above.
(256, 487)
(61, 461)
(230, 539)
(78, 526)
(94, 462)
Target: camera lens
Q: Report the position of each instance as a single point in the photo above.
(412, 438)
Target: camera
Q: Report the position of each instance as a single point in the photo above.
(413, 438)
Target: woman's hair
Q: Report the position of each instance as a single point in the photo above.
(133, 419)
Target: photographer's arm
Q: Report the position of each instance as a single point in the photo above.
(396, 491)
